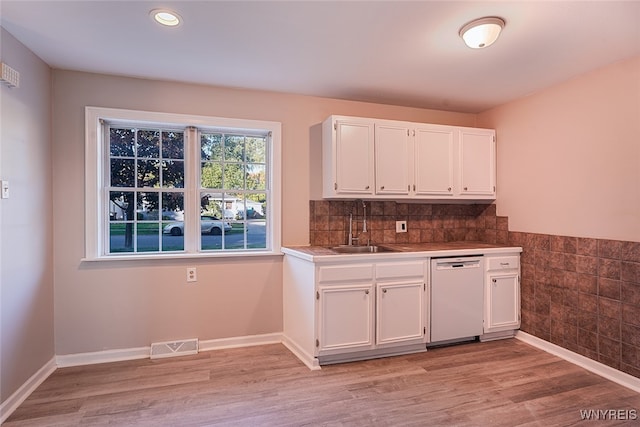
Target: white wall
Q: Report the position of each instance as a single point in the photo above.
(26, 274)
(113, 305)
(569, 156)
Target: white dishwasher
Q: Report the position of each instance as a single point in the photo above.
(457, 289)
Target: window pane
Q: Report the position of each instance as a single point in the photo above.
(257, 233)
(211, 147)
(147, 207)
(173, 221)
(211, 204)
(120, 237)
(148, 173)
(233, 148)
(256, 177)
(173, 206)
(173, 145)
(212, 228)
(121, 205)
(256, 149)
(148, 237)
(121, 142)
(173, 174)
(216, 221)
(172, 240)
(148, 143)
(211, 175)
(122, 172)
(256, 222)
(233, 176)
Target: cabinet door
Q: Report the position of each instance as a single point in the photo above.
(354, 157)
(433, 161)
(502, 309)
(345, 317)
(400, 312)
(392, 165)
(477, 162)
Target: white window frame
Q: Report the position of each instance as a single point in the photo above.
(95, 162)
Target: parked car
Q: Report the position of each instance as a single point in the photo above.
(251, 214)
(208, 225)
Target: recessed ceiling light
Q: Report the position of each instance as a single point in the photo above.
(166, 17)
(482, 32)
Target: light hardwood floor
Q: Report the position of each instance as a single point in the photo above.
(501, 383)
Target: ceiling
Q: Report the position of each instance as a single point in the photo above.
(390, 52)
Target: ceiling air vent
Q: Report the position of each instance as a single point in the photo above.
(174, 348)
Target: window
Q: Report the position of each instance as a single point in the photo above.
(168, 185)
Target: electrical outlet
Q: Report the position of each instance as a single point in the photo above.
(191, 274)
(401, 226)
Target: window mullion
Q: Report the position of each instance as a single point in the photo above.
(104, 169)
(192, 190)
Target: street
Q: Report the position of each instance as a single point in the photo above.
(235, 239)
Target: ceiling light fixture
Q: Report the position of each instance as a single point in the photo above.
(166, 17)
(482, 32)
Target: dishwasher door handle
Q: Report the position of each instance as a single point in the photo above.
(457, 265)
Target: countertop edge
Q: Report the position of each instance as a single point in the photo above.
(300, 253)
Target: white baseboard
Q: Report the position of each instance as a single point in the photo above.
(591, 365)
(306, 358)
(235, 342)
(106, 356)
(11, 404)
(119, 355)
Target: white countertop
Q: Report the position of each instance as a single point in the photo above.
(399, 251)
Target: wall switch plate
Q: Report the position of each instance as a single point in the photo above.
(191, 274)
(401, 226)
(5, 189)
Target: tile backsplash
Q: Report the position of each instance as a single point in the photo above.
(329, 222)
(582, 294)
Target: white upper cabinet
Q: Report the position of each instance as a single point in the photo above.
(393, 168)
(477, 162)
(434, 150)
(348, 157)
(388, 159)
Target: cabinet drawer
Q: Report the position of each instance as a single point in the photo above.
(395, 270)
(503, 263)
(345, 273)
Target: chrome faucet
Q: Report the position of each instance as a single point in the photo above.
(351, 238)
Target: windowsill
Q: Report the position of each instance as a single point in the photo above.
(175, 256)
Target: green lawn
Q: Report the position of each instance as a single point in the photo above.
(118, 229)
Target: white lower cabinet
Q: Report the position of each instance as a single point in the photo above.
(370, 309)
(400, 312)
(502, 296)
(345, 316)
(367, 306)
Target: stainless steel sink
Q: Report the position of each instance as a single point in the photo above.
(346, 249)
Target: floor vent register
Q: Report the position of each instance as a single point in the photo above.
(174, 348)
